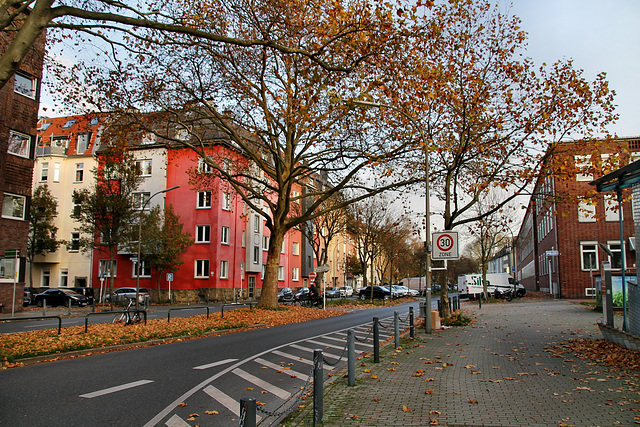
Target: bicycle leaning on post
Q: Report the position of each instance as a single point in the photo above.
(129, 316)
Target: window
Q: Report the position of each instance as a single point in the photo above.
(204, 167)
(76, 209)
(224, 269)
(281, 273)
(25, 85)
(256, 223)
(616, 252)
(224, 235)
(256, 254)
(611, 208)
(226, 201)
(68, 124)
(145, 269)
(182, 134)
(282, 248)
(244, 238)
(44, 171)
(13, 206)
(79, 172)
(586, 212)
(83, 142)
(295, 248)
(60, 141)
(104, 268)
(149, 138)
(583, 165)
(202, 269)
(74, 243)
(226, 165)
(140, 200)
(589, 255)
(19, 144)
(265, 243)
(44, 126)
(94, 121)
(204, 199)
(203, 233)
(295, 274)
(46, 278)
(64, 277)
(144, 166)
(56, 172)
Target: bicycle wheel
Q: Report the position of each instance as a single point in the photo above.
(120, 318)
(136, 317)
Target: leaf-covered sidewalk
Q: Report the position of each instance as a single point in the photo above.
(514, 366)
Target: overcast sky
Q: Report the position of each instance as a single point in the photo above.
(599, 36)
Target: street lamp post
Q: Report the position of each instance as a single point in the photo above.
(138, 261)
(427, 323)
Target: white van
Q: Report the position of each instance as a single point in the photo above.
(471, 284)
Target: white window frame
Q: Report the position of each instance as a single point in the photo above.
(11, 212)
(204, 167)
(201, 269)
(145, 166)
(586, 211)
(256, 253)
(79, 172)
(25, 85)
(616, 250)
(203, 200)
(226, 201)
(56, 172)
(281, 272)
(583, 162)
(224, 235)
(19, 144)
(83, 142)
(103, 264)
(265, 243)
(140, 199)
(44, 171)
(295, 274)
(256, 223)
(583, 252)
(295, 248)
(64, 277)
(224, 269)
(45, 278)
(74, 241)
(149, 138)
(611, 208)
(145, 269)
(203, 234)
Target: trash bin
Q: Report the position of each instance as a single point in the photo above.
(423, 309)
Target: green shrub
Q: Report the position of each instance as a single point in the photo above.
(457, 319)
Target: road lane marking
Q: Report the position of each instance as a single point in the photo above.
(299, 359)
(344, 341)
(303, 377)
(225, 400)
(282, 394)
(218, 363)
(329, 355)
(115, 389)
(176, 421)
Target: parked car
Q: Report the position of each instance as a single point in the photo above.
(87, 292)
(410, 292)
(333, 293)
(301, 293)
(346, 291)
(396, 291)
(378, 292)
(285, 295)
(27, 298)
(55, 297)
(121, 294)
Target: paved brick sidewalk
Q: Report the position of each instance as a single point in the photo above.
(497, 372)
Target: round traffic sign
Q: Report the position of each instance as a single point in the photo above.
(312, 276)
(445, 242)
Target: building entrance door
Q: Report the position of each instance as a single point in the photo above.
(251, 287)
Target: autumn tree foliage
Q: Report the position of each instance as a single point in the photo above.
(276, 113)
(124, 25)
(42, 230)
(485, 114)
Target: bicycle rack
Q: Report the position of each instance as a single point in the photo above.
(237, 304)
(86, 317)
(185, 308)
(37, 318)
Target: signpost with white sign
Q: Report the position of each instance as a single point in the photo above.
(445, 245)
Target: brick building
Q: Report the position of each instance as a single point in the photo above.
(19, 100)
(559, 245)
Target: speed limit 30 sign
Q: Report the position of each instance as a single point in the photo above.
(445, 245)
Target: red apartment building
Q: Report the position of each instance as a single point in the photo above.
(558, 247)
(19, 100)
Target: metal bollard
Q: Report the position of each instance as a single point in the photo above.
(69, 308)
(247, 412)
(480, 301)
(376, 341)
(351, 358)
(318, 379)
(44, 306)
(396, 329)
(412, 329)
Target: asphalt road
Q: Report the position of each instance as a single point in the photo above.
(145, 386)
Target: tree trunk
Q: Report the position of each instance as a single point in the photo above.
(269, 295)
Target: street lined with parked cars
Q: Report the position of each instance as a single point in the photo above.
(55, 297)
